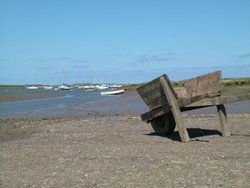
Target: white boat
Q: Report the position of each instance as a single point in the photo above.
(64, 87)
(32, 87)
(48, 87)
(115, 86)
(115, 92)
(101, 87)
(89, 88)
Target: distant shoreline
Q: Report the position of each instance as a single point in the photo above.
(238, 81)
(18, 97)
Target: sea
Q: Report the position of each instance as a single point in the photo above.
(67, 103)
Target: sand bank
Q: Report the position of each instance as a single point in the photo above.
(17, 97)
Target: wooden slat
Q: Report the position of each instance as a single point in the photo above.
(149, 116)
(207, 83)
(152, 93)
(175, 109)
(181, 92)
(186, 101)
(167, 81)
(223, 120)
(219, 100)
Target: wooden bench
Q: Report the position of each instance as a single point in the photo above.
(166, 103)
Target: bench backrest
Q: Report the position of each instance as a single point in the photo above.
(153, 95)
(204, 84)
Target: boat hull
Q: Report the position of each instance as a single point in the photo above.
(116, 92)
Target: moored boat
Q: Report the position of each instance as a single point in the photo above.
(32, 87)
(48, 87)
(115, 92)
(89, 88)
(64, 87)
(101, 87)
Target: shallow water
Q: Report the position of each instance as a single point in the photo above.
(80, 103)
(47, 106)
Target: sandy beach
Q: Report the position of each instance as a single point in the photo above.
(114, 148)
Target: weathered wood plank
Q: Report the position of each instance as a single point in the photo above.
(152, 93)
(223, 120)
(181, 92)
(149, 116)
(175, 109)
(186, 101)
(160, 110)
(164, 107)
(208, 83)
(167, 81)
(219, 100)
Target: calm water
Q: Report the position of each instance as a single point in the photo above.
(47, 106)
(80, 103)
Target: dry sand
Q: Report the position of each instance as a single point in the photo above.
(105, 144)
(122, 151)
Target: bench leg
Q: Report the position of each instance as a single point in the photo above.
(175, 110)
(223, 120)
(180, 125)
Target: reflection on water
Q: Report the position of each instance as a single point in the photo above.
(33, 107)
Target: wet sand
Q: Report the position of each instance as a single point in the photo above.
(17, 97)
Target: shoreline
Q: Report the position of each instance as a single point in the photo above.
(129, 105)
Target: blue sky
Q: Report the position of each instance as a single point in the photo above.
(51, 42)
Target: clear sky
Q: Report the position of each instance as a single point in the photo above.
(121, 41)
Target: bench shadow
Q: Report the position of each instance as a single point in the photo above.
(193, 133)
